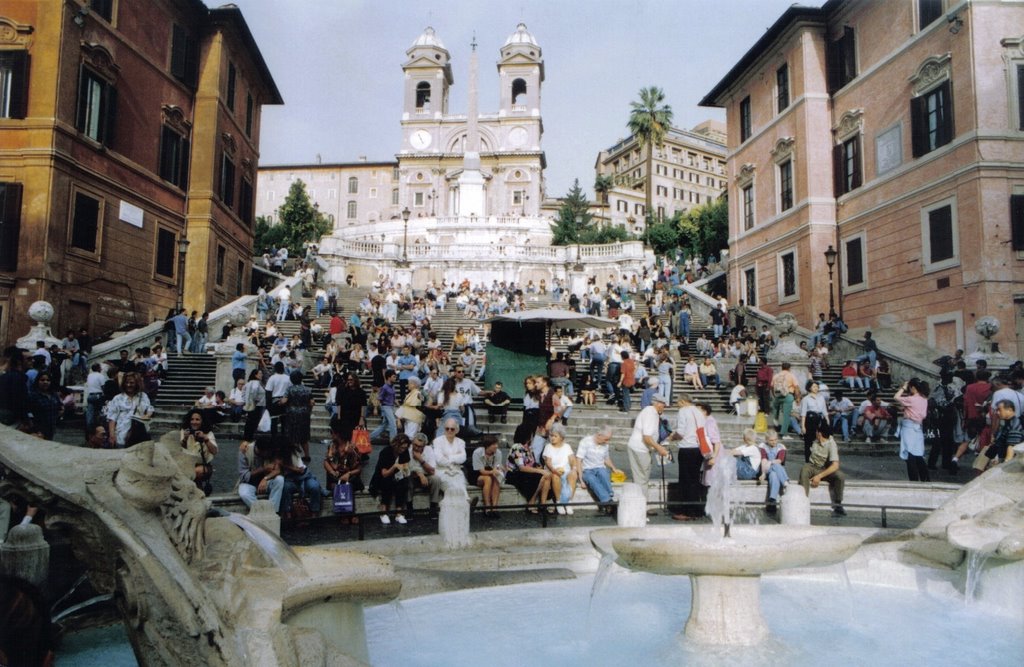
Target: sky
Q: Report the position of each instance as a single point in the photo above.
(338, 65)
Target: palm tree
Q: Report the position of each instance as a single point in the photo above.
(649, 121)
(602, 186)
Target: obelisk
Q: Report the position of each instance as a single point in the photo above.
(472, 198)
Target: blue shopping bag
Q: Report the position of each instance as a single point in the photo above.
(344, 503)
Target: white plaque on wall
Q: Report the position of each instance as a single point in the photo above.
(131, 214)
(889, 149)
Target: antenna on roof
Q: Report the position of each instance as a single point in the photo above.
(473, 43)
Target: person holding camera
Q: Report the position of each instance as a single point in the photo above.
(201, 445)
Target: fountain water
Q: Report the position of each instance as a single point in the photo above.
(725, 566)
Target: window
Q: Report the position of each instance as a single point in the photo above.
(353, 185)
(745, 121)
(239, 277)
(750, 286)
(928, 11)
(847, 166)
(787, 275)
(782, 88)
(232, 76)
(1016, 222)
(184, 56)
(245, 197)
(352, 210)
(423, 95)
(1020, 97)
(373, 193)
(748, 207)
(166, 245)
(931, 118)
(517, 197)
(394, 196)
(417, 199)
(394, 175)
(248, 114)
(13, 84)
(786, 185)
(85, 222)
(940, 245)
(10, 225)
(173, 157)
(854, 264)
(220, 264)
(103, 8)
(227, 181)
(842, 60)
(97, 107)
(622, 206)
(518, 91)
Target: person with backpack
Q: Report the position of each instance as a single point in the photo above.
(942, 420)
(785, 391)
(763, 385)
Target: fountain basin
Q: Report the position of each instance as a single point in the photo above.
(700, 550)
(725, 572)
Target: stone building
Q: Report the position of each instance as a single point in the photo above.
(125, 126)
(893, 132)
(689, 170)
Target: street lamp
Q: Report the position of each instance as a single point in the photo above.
(830, 259)
(182, 251)
(405, 236)
(579, 260)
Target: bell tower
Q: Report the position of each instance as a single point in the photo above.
(428, 76)
(520, 73)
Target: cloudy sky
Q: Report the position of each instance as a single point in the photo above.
(338, 64)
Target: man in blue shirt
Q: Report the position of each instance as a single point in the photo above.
(386, 395)
(181, 330)
(238, 360)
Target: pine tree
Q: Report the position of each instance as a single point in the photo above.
(573, 217)
(300, 219)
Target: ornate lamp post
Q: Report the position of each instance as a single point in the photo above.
(405, 236)
(830, 259)
(579, 260)
(182, 251)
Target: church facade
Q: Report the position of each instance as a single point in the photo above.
(467, 190)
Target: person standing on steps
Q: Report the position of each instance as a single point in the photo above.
(689, 419)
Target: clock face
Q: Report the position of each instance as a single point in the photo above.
(517, 137)
(420, 139)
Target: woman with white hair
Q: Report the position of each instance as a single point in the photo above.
(559, 459)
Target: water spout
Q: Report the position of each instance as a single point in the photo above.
(728, 526)
(269, 544)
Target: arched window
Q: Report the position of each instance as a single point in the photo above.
(518, 91)
(423, 95)
(353, 185)
(353, 210)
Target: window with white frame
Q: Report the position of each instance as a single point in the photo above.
(787, 276)
(750, 285)
(786, 185)
(353, 210)
(748, 207)
(854, 262)
(940, 243)
(417, 199)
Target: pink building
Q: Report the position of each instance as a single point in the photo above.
(894, 132)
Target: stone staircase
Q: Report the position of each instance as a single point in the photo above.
(189, 374)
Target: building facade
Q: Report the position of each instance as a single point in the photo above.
(689, 170)
(894, 133)
(125, 127)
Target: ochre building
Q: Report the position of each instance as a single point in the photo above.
(125, 126)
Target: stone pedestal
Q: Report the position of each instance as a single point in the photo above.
(263, 514)
(25, 554)
(42, 313)
(453, 522)
(578, 284)
(403, 274)
(632, 506)
(716, 605)
(796, 507)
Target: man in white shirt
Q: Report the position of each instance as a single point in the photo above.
(450, 454)
(277, 385)
(284, 297)
(596, 464)
(94, 394)
(689, 419)
(469, 390)
(422, 469)
(643, 439)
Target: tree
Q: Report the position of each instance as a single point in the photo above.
(603, 184)
(661, 235)
(649, 121)
(300, 222)
(704, 230)
(573, 217)
(595, 235)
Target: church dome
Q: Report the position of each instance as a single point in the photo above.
(521, 36)
(429, 38)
